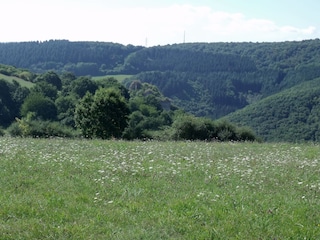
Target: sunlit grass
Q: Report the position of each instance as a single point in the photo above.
(119, 77)
(22, 82)
(80, 189)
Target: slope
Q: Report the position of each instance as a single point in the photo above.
(21, 81)
(291, 115)
(206, 79)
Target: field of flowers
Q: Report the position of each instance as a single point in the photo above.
(94, 189)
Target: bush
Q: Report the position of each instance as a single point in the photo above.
(191, 128)
(45, 129)
(14, 130)
(246, 134)
(42, 129)
(188, 127)
(225, 131)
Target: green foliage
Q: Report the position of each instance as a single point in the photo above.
(114, 83)
(204, 79)
(14, 130)
(46, 89)
(82, 85)
(50, 78)
(65, 108)
(103, 115)
(11, 97)
(43, 107)
(46, 129)
(83, 116)
(292, 115)
(24, 74)
(188, 127)
(191, 128)
(29, 127)
(82, 58)
(148, 111)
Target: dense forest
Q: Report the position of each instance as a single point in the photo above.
(291, 115)
(69, 106)
(205, 79)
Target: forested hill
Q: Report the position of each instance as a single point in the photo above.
(291, 115)
(206, 79)
(81, 58)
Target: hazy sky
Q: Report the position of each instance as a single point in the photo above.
(147, 22)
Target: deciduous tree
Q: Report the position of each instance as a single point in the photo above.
(103, 115)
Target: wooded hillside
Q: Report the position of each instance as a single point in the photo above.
(205, 79)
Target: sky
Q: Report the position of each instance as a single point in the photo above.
(161, 22)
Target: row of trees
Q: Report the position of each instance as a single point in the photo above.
(60, 55)
(82, 58)
(185, 60)
(67, 106)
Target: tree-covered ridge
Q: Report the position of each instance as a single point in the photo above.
(204, 79)
(185, 60)
(101, 57)
(81, 58)
(292, 115)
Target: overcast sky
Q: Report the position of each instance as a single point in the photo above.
(161, 22)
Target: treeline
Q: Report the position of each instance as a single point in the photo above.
(187, 60)
(81, 58)
(205, 79)
(60, 55)
(69, 106)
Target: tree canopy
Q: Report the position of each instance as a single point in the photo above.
(103, 115)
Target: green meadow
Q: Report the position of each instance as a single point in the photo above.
(120, 77)
(22, 82)
(94, 189)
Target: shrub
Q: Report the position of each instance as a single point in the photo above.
(226, 131)
(191, 128)
(246, 134)
(50, 129)
(42, 129)
(14, 130)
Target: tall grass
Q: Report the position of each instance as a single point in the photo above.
(93, 189)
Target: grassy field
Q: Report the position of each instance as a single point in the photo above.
(92, 189)
(120, 78)
(22, 82)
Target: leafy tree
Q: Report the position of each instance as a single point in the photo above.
(46, 89)
(190, 128)
(51, 78)
(103, 115)
(66, 107)
(135, 128)
(82, 85)
(112, 82)
(83, 115)
(6, 103)
(43, 107)
(11, 97)
(67, 78)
